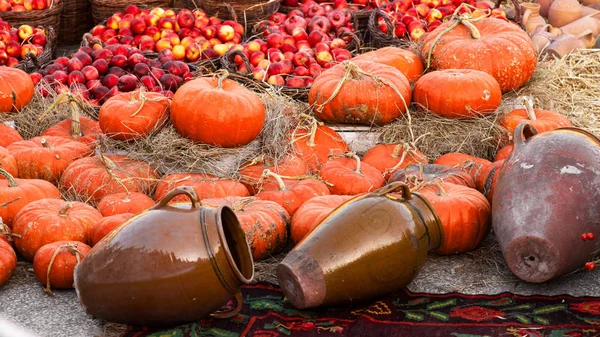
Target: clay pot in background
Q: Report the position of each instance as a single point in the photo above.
(591, 22)
(544, 6)
(567, 43)
(590, 2)
(531, 18)
(563, 12)
(543, 36)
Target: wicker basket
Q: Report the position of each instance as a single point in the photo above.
(103, 9)
(380, 39)
(45, 18)
(33, 63)
(74, 21)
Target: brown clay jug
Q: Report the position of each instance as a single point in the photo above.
(590, 2)
(547, 195)
(531, 18)
(591, 22)
(567, 43)
(372, 245)
(543, 36)
(563, 12)
(544, 6)
(172, 264)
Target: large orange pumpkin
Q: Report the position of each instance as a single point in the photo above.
(360, 93)
(205, 186)
(504, 152)
(8, 261)
(94, 178)
(542, 120)
(465, 214)
(458, 93)
(417, 175)
(290, 166)
(217, 111)
(8, 135)
(407, 62)
(78, 128)
(486, 182)
(106, 225)
(314, 143)
(312, 212)
(46, 157)
(54, 263)
(16, 89)
(17, 193)
(49, 220)
(8, 163)
(497, 47)
(264, 222)
(464, 162)
(349, 176)
(133, 115)
(390, 158)
(126, 202)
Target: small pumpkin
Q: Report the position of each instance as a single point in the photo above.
(133, 115)
(17, 193)
(470, 93)
(504, 152)
(360, 92)
(390, 158)
(205, 186)
(217, 111)
(251, 172)
(464, 162)
(423, 174)
(8, 135)
(8, 162)
(16, 89)
(407, 62)
(465, 214)
(314, 142)
(264, 222)
(106, 225)
(46, 157)
(8, 261)
(127, 202)
(54, 264)
(312, 212)
(290, 193)
(497, 47)
(79, 128)
(93, 178)
(486, 182)
(349, 176)
(542, 120)
(49, 220)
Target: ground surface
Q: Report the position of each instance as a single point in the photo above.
(483, 271)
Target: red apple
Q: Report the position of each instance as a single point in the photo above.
(127, 83)
(340, 55)
(275, 68)
(119, 61)
(74, 65)
(13, 49)
(337, 43)
(315, 10)
(315, 37)
(166, 23)
(320, 23)
(433, 25)
(60, 77)
(288, 66)
(209, 32)
(277, 18)
(35, 77)
(323, 58)
(315, 69)
(301, 71)
(256, 58)
(259, 74)
(422, 10)
(24, 32)
(185, 20)
(75, 77)
(337, 18)
(192, 53)
(275, 41)
(85, 59)
(295, 82)
(303, 46)
(293, 22)
(226, 33)
(148, 81)
(301, 59)
(170, 81)
(400, 30)
(132, 10)
(90, 73)
(434, 14)
(276, 80)
(93, 84)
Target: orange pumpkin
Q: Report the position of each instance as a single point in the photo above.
(133, 115)
(106, 225)
(49, 220)
(17, 193)
(470, 93)
(416, 175)
(504, 152)
(465, 214)
(314, 142)
(542, 120)
(46, 157)
(312, 212)
(407, 62)
(79, 128)
(127, 202)
(486, 182)
(390, 158)
(205, 186)
(349, 176)
(8, 261)
(264, 222)
(290, 193)
(54, 263)
(8, 135)
(16, 89)
(464, 162)
(94, 178)
(6, 234)
(497, 47)
(251, 172)
(360, 93)
(217, 111)
(8, 162)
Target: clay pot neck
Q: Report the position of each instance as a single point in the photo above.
(431, 221)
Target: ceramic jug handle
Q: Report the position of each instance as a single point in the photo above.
(523, 132)
(175, 192)
(392, 188)
(230, 313)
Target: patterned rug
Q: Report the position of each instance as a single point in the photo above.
(266, 313)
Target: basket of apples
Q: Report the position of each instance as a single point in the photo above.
(407, 20)
(35, 13)
(192, 36)
(251, 12)
(103, 9)
(26, 48)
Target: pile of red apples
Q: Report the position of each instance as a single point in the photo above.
(25, 5)
(190, 35)
(350, 4)
(15, 43)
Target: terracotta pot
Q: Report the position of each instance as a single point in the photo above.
(544, 6)
(531, 18)
(372, 245)
(543, 36)
(563, 12)
(590, 2)
(547, 195)
(567, 43)
(172, 264)
(591, 22)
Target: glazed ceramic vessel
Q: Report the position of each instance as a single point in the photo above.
(567, 43)
(172, 264)
(563, 12)
(531, 18)
(372, 245)
(544, 6)
(547, 195)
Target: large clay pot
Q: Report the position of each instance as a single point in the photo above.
(590, 2)
(544, 6)
(543, 36)
(563, 12)
(372, 245)
(531, 18)
(567, 43)
(547, 195)
(591, 22)
(172, 264)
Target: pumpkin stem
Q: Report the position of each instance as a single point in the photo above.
(45, 143)
(355, 157)
(11, 180)
(5, 230)
(269, 174)
(239, 206)
(312, 133)
(441, 190)
(75, 120)
(256, 160)
(64, 210)
(351, 72)
(72, 248)
(58, 100)
(529, 108)
(224, 75)
(110, 166)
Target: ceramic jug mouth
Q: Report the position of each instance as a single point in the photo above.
(235, 245)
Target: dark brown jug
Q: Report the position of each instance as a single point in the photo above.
(370, 246)
(170, 265)
(547, 195)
